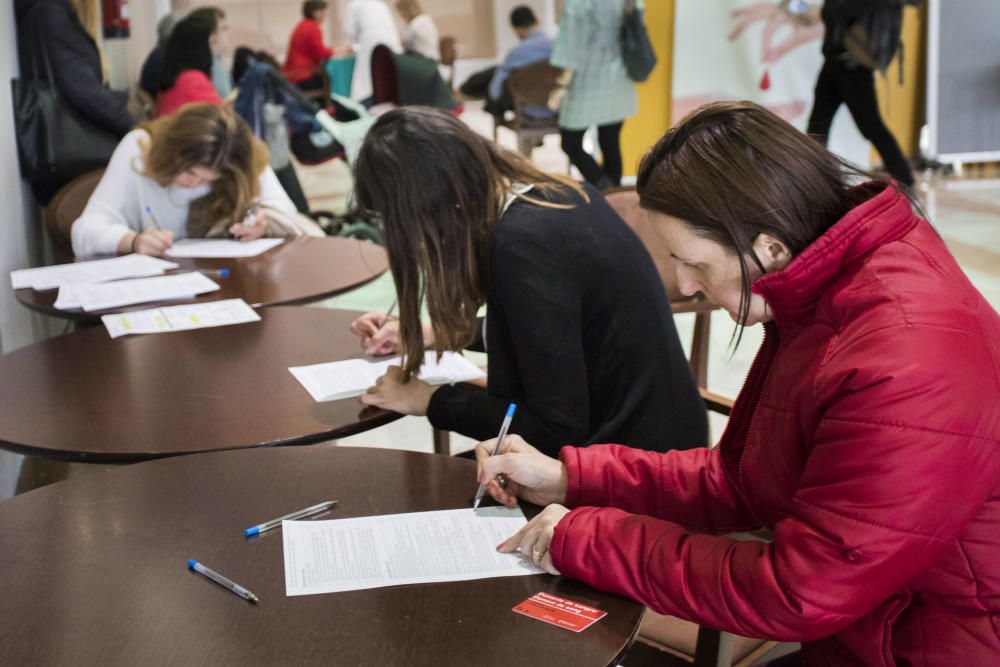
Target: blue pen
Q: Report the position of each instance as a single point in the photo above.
(218, 273)
(152, 217)
(222, 581)
(274, 523)
(496, 450)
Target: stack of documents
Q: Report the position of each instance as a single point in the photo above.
(96, 271)
(102, 296)
(179, 318)
(342, 379)
(415, 548)
(221, 247)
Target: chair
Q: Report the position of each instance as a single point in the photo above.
(385, 80)
(403, 79)
(702, 645)
(447, 47)
(530, 85)
(65, 207)
(625, 202)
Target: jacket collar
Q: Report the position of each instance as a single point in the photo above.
(793, 292)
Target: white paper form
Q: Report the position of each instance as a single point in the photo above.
(221, 247)
(127, 292)
(342, 379)
(421, 547)
(95, 271)
(180, 318)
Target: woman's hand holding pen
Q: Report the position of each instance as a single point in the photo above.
(152, 242)
(250, 229)
(380, 334)
(391, 393)
(528, 474)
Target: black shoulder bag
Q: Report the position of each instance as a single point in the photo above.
(637, 52)
(55, 142)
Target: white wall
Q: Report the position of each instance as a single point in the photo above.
(20, 231)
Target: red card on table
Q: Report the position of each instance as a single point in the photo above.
(560, 611)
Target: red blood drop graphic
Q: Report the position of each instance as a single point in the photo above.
(765, 81)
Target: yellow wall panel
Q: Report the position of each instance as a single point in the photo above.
(641, 131)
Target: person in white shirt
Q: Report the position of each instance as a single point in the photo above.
(420, 34)
(368, 23)
(198, 171)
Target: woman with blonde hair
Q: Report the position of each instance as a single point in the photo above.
(420, 35)
(578, 326)
(65, 34)
(198, 172)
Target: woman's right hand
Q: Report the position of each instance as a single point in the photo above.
(380, 336)
(153, 242)
(527, 473)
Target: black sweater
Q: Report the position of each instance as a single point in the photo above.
(75, 61)
(580, 335)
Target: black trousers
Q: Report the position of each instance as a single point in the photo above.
(855, 86)
(609, 139)
(477, 85)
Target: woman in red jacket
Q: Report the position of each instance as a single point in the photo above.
(865, 437)
(187, 68)
(306, 50)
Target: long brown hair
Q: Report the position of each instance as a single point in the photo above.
(733, 170)
(438, 188)
(213, 137)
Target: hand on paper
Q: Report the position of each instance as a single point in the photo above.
(380, 336)
(528, 473)
(153, 242)
(533, 541)
(250, 232)
(391, 393)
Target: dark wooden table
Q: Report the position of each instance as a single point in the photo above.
(93, 572)
(297, 271)
(86, 397)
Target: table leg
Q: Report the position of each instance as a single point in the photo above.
(442, 442)
(38, 471)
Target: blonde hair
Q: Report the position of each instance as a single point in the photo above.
(410, 9)
(212, 137)
(89, 16)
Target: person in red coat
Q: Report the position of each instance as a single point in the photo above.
(187, 69)
(306, 50)
(866, 436)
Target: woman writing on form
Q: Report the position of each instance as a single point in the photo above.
(197, 172)
(866, 436)
(578, 326)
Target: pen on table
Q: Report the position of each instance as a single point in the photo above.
(274, 523)
(496, 450)
(152, 218)
(222, 581)
(218, 273)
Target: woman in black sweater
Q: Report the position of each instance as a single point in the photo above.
(578, 328)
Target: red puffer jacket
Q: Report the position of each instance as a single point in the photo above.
(867, 437)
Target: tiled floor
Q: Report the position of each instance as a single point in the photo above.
(965, 210)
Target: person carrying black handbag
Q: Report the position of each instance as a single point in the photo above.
(68, 121)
